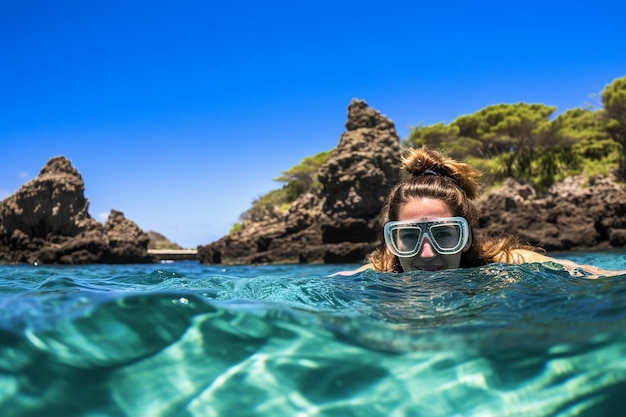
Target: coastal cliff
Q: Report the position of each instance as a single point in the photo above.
(47, 221)
(570, 215)
(339, 224)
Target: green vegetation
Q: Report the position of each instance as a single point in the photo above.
(521, 141)
(504, 140)
(298, 180)
(236, 227)
(614, 101)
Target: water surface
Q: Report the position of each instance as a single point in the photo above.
(184, 339)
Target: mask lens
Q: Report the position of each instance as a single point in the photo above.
(447, 236)
(407, 239)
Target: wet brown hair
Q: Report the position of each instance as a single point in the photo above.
(433, 175)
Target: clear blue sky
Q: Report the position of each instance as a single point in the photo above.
(181, 113)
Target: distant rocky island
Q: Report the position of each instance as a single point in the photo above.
(338, 225)
(47, 221)
(158, 241)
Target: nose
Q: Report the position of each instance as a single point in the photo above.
(427, 250)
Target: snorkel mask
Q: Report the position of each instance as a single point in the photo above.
(447, 235)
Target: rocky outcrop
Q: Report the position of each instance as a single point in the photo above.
(570, 215)
(338, 225)
(47, 221)
(160, 242)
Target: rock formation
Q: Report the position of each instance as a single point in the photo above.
(338, 225)
(159, 241)
(47, 221)
(570, 215)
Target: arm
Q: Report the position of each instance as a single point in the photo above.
(355, 271)
(520, 256)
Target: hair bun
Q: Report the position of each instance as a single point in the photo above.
(423, 161)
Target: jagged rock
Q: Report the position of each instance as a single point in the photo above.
(159, 241)
(365, 162)
(339, 224)
(53, 203)
(47, 221)
(570, 215)
(126, 240)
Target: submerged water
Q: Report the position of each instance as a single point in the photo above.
(185, 339)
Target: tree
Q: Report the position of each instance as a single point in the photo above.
(474, 128)
(511, 132)
(614, 102)
(524, 127)
(304, 174)
(583, 132)
(438, 136)
(298, 180)
(557, 157)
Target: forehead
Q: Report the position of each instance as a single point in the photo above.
(424, 209)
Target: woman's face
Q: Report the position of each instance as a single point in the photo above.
(427, 259)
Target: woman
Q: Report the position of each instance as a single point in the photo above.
(429, 222)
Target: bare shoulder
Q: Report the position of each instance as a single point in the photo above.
(519, 256)
(354, 271)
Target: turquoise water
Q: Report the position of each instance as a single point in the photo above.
(184, 339)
